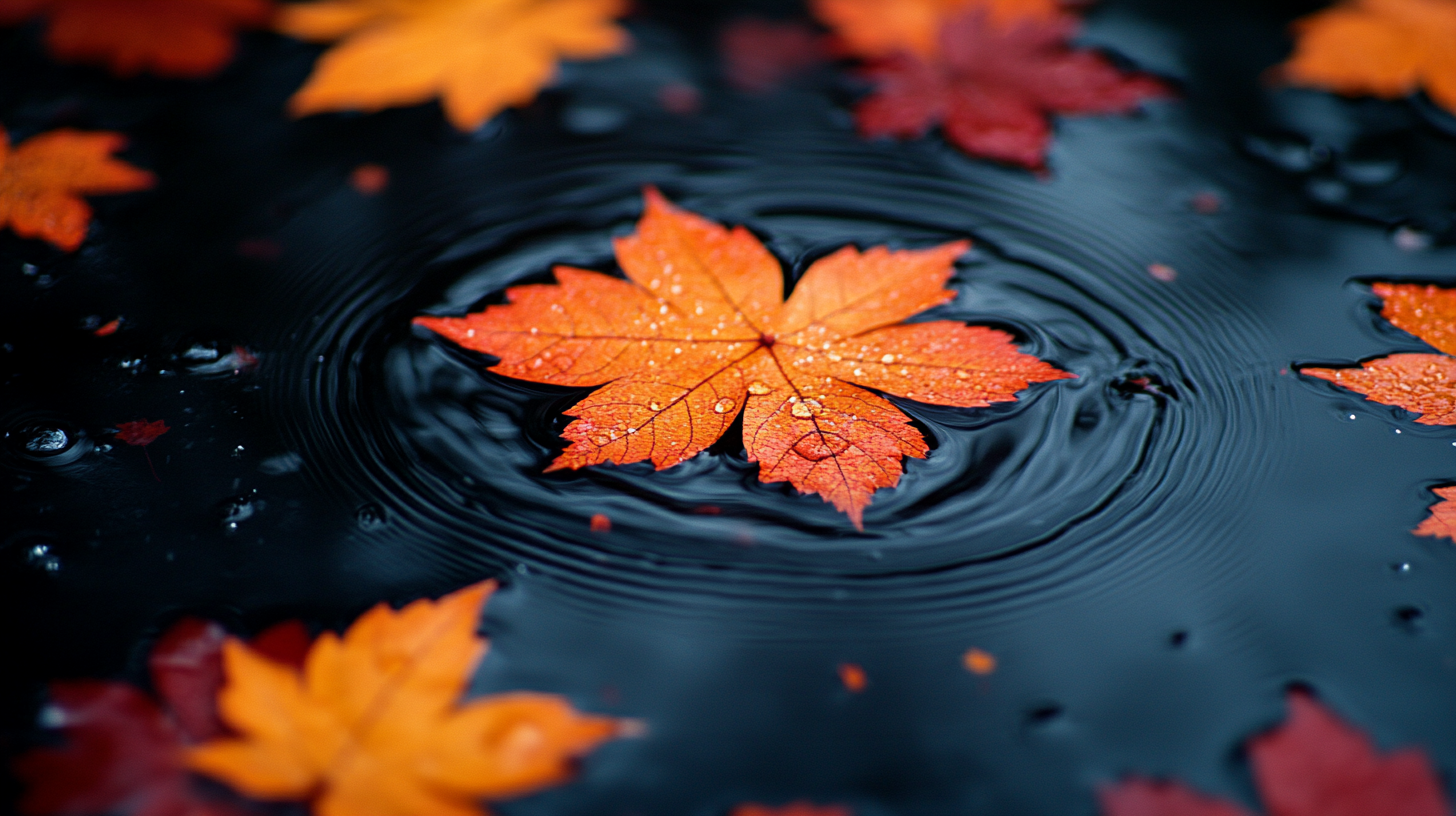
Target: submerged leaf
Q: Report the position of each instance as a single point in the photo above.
(478, 56)
(1442, 521)
(374, 723)
(1311, 765)
(994, 87)
(700, 333)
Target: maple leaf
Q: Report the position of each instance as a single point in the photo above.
(141, 432)
(1424, 384)
(880, 28)
(1442, 521)
(1384, 48)
(993, 88)
(1311, 765)
(124, 751)
(478, 56)
(791, 809)
(43, 177)
(170, 38)
(699, 332)
(372, 722)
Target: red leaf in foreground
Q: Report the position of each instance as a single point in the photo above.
(993, 88)
(1311, 765)
(1316, 765)
(758, 55)
(141, 432)
(123, 751)
(1143, 797)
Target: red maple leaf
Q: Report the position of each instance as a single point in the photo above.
(141, 432)
(1312, 765)
(993, 88)
(172, 38)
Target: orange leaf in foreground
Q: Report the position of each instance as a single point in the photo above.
(1442, 521)
(700, 331)
(374, 722)
(43, 178)
(478, 56)
(800, 808)
(1385, 48)
(1421, 383)
(880, 28)
(171, 38)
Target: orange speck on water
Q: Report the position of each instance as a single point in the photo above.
(600, 523)
(108, 329)
(978, 661)
(1162, 272)
(369, 179)
(853, 677)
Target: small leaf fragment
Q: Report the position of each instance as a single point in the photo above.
(43, 178)
(1442, 521)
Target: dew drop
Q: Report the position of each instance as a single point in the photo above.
(758, 389)
(887, 359)
(724, 405)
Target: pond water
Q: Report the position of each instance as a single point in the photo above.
(1152, 551)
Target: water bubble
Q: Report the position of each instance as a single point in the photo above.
(758, 389)
(234, 510)
(43, 558)
(1409, 618)
(369, 516)
(49, 443)
(724, 405)
(1401, 568)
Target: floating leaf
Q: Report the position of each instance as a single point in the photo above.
(478, 56)
(170, 38)
(373, 721)
(1384, 48)
(1442, 521)
(1424, 384)
(699, 333)
(994, 87)
(43, 178)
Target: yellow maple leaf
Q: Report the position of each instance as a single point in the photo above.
(1384, 48)
(373, 725)
(478, 56)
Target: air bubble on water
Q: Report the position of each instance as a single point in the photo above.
(235, 510)
(43, 558)
(1410, 239)
(369, 516)
(47, 441)
(1401, 568)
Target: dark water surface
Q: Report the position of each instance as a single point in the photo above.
(1152, 551)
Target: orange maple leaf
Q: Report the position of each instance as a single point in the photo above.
(1385, 48)
(1442, 521)
(479, 56)
(700, 331)
(172, 38)
(880, 28)
(373, 723)
(1421, 383)
(43, 178)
